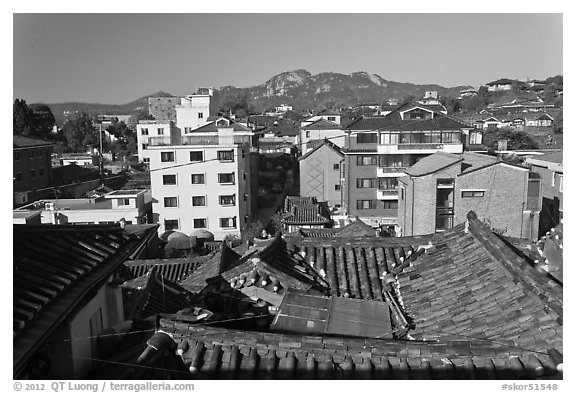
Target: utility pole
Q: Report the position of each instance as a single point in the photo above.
(100, 159)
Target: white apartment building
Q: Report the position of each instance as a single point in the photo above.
(202, 180)
(195, 109)
(151, 128)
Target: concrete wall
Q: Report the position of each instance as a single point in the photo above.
(28, 159)
(335, 136)
(153, 130)
(318, 177)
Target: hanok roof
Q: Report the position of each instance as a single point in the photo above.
(324, 142)
(55, 267)
(19, 142)
(171, 269)
(296, 200)
(357, 228)
(322, 124)
(328, 112)
(306, 215)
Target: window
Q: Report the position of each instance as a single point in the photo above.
(160, 131)
(365, 137)
(227, 200)
(187, 130)
(146, 160)
(144, 146)
(561, 180)
(18, 176)
(144, 131)
(199, 200)
(226, 155)
(331, 118)
(337, 187)
(362, 204)
(169, 180)
(200, 115)
(226, 178)
(170, 201)
(394, 161)
(16, 155)
(336, 167)
(229, 222)
(196, 156)
(307, 134)
(41, 172)
(390, 205)
(450, 137)
(388, 183)
(553, 179)
(366, 183)
(402, 193)
(472, 193)
(32, 173)
(367, 160)
(199, 223)
(388, 138)
(197, 178)
(170, 224)
(167, 156)
(123, 201)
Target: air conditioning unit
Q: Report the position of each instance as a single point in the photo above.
(49, 205)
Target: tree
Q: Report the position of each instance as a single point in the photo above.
(44, 120)
(80, 132)
(138, 115)
(558, 126)
(517, 140)
(24, 122)
(452, 104)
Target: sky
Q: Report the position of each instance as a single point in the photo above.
(117, 58)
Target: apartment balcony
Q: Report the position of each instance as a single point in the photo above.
(186, 140)
(387, 194)
(391, 171)
(420, 148)
(159, 141)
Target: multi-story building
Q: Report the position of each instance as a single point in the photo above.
(152, 128)
(163, 108)
(194, 110)
(202, 180)
(326, 114)
(128, 206)
(549, 167)
(32, 167)
(439, 190)
(380, 148)
(321, 172)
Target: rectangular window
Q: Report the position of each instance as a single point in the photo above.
(32, 173)
(18, 176)
(226, 155)
(146, 160)
(229, 222)
(472, 193)
(167, 156)
(388, 183)
(160, 131)
(170, 201)
(199, 223)
(362, 204)
(450, 137)
(307, 134)
(169, 180)
(336, 167)
(367, 160)
(199, 200)
(170, 224)
(337, 187)
(390, 205)
(144, 146)
(196, 156)
(144, 131)
(402, 193)
(123, 201)
(388, 138)
(200, 115)
(227, 200)
(366, 183)
(197, 178)
(226, 178)
(331, 118)
(365, 137)
(187, 130)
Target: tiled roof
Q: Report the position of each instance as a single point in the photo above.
(371, 123)
(212, 127)
(357, 228)
(158, 295)
(324, 142)
(171, 269)
(55, 267)
(220, 353)
(306, 215)
(283, 130)
(322, 124)
(474, 285)
(438, 123)
(19, 141)
(296, 200)
(328, 112)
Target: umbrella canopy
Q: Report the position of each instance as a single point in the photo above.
(203, 234)
(181, 243)
(172, 234)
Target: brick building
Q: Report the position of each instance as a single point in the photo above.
(32, 167)
(439, 190)
(549, 167)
